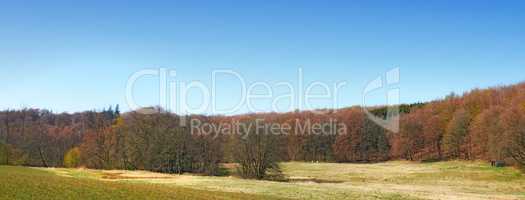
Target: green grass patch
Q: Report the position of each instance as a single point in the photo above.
(29, 183)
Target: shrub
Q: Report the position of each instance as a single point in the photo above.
(72, 158)
(256, 153)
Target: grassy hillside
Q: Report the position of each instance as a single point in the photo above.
(30, 183)
(390, 180)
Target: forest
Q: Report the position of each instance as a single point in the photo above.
(482, 124)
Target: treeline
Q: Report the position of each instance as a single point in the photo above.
(105, 140)
(484, 124)
(41, 138)
(158, 142)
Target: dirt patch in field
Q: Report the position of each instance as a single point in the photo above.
(311, 180)
(114, 175)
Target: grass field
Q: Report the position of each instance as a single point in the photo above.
(32, 183)
(390, 180)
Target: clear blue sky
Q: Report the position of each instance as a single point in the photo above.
(68, 56)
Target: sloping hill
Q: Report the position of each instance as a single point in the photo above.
(30, 183)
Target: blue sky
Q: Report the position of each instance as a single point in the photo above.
(71, 57)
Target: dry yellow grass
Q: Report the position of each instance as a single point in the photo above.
(390, 180)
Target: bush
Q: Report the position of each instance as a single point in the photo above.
(256, 153)
(72, 158)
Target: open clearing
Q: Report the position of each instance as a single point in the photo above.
(390, 180)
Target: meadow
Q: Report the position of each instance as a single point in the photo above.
(389, 180)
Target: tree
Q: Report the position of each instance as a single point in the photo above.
(6, 136)
(255, 152)
(409, 141)
(487, 133)
(98, 144)
(363, 141)
(433, 136)
(374, 145)
(456, 135)
(72, 158)
(3, 154)
(513, 122)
